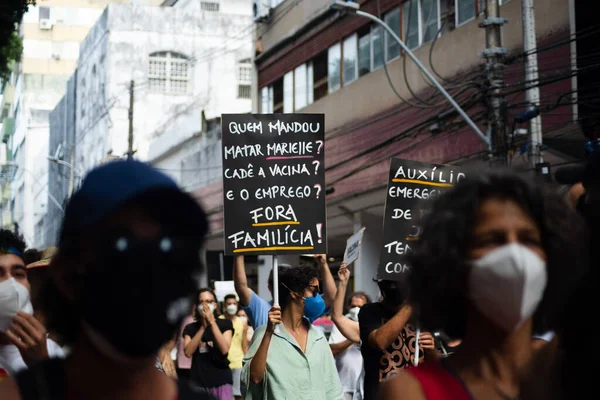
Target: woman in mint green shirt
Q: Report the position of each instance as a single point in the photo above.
(289, 358)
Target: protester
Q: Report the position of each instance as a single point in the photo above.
(388, 336)
(207, 342)
(347, 354)
(239, 342)
(249, 330)
(23, 338)
(289, 358)
(490, 268)
(183, 362)
(37, 273)
(121, 284)
(31, 255)
(257, 308)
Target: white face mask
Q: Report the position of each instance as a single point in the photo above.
(507, 285)
(14, 297)
(231, 309)
(353, 313)
(211, 307)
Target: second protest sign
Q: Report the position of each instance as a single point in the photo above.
(274, 183)
(412, 186)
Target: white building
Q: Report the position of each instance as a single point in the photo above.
(51, 32)
(189, 61)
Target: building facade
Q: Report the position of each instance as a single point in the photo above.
(51, 33)
(311, 58)
(187, 66)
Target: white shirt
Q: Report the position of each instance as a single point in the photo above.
(12, 362)
(349, 363)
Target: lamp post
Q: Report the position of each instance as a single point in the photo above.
(74, 172)
(45, 187)
(354, 8)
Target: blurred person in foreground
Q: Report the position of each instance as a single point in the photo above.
(23, 338)
(490, 268)
(121, 284)
(289, 358)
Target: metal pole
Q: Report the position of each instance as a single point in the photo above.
(435, 82)
(71, 174)
(130, 138)
(532, 93)
(221, 267)
(494, 53)
(275, 281)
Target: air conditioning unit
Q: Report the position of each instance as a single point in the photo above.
(45, 24)
(260, 9)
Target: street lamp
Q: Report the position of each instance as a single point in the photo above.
(45, 187)
(354, 8)
(74, 170)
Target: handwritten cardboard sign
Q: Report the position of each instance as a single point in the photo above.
(353, 247)
(411, 187)
(274, 183)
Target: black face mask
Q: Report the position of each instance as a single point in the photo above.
(138, 292)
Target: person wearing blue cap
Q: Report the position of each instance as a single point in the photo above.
(122, 281)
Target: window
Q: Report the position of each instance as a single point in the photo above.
(168, 72)
(392, 48)
(266, 97)
(44, 13)
(465, 11)
(333, 67)
(364, 54)
(320, 77)
(350, 52)
(244, 91)
(245, 71)
(209, 6)
(303, 86)
(288, 92)
(421, 21)
(376, 48)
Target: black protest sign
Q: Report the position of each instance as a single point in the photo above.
(274, 183)
(411, 187)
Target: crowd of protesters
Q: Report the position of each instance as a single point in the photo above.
(491, 308)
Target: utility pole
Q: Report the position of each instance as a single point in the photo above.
(71, 172)
(532, 92)
(495, 53)
(130, 138)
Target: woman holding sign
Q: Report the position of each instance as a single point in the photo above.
(489, 268)
(289, 358)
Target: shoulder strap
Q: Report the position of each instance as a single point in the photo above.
(437, 383)
(43, 381)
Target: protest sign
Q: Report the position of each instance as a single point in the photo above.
(353, 247)
(274, 183)
(412, 186)
(223, 288)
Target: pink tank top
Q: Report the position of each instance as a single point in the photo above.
(438, 383)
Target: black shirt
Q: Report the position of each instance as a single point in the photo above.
(210, 367)
(381, 365)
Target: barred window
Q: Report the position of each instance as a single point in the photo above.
(245, 71)
(209, 6)
(244, 91)
(168, 72)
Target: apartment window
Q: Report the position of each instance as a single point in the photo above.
(392, 48)
(278, 96)
(288, 92)
(421, 21)
(465, 11)
(209, 6)
(350, 53)
(244, 91)
(44, 13)
(303, 86)
(245, 71)
(168, 72)
(333, 67)
(320, 77)
(364, 53)
(376, 47)
(266, 98)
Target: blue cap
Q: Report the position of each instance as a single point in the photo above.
(112, 185)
